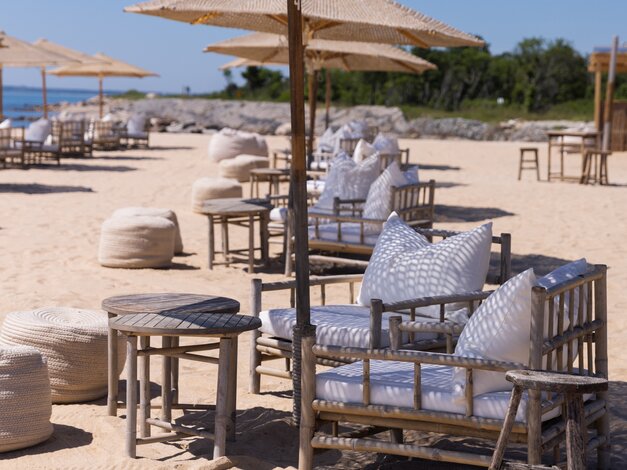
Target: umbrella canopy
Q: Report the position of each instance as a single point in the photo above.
(103, 66)
(322, 53)
(18, 53)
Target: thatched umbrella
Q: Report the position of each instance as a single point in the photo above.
(350, 56)
(103, 66)
(379, 21)
(18, 53)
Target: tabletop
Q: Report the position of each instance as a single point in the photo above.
(185, 324)
(270, 171)
(559, 382)
(235, 206)
(166, 303)
(573, 133)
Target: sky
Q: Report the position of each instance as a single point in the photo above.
(174, 50)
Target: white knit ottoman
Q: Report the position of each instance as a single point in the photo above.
(204, 189)
(25, 405)
(155, 212)
(137, 242)
(239, 167)
(74, 343)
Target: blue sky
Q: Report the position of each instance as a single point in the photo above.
(173, 49)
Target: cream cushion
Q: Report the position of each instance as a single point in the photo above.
(155, 212)
(136, 125)
(25, 405)
(404, 265)
(73, 342)
(137, 242)
(229, 143)
(205, 189)
(336, 325)
(363, 150)
(239, 168)
(379, 202)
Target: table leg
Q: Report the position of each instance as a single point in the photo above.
(508, 424)
(275, 184)
(232, 396)
(222, 413)
(264, 237)
(166, 382)
(251, 244)
(575, 432)
(211, 242)
(562, 162)
(225, 239)
(144, 388)
(252, 185)
(112, 382)
(175, 341)
(131, 396)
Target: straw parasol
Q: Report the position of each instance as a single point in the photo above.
(379, 21)
(17, 53)
(103, 66)
(322, 53)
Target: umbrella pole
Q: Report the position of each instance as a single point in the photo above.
(44, 91)
(313, 92)
(609, 97)
(327, 99)
(1, 95)
(100, 96)
(298, 193)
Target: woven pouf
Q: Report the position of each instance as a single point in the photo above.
(155, 212)
(239, 167)
(25, 405)
(137, 242)
(74, 343)
(204, 189)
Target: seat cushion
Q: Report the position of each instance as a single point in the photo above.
(350, 233)
(337, 325)
(392, 383)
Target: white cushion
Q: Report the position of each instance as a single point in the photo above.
(278, 214)
(386, 145)
(348, 180)
(6, 124)
(320, 165)
(229, 143)
(404, 265)
(337, 325)
(136, 125)
(363, 150)
(359, 129)
(326, 142)
(38, 131)
(315, 186)
(499, 330)
(350, 233)
(411, 175)
(392, 383)
(107, 118)
(379, 200)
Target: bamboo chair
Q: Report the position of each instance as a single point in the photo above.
(11, 153)
(104, 135)
(36, 152)
(71, 139)
(137, 140)
(268, 347)
(587, 334)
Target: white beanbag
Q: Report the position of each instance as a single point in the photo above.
(404, 265)
(155, 212)
(137, 242)
(204, 189)
(239, 168)
(228, 143)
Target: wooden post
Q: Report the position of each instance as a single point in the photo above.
(312, 79)
(231, 403)
(255, 356)
(534, 407)
(44, 91)
(100, 94)
(376, 317)
(298, 190)
(251, 243)
(112, 359)
(222, 412)
(576, 436)
(598, 92)
(609, 97)
(308, 417)
(144, 388)
(131, 396)
(508, 424)
(1, 95)
(211, 236)
(327, 99)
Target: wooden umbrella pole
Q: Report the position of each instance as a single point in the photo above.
(1, 95)
(44, 92)
(327, 99)
(298, 192)
(100, 94)
(313, 92)
(609, 97)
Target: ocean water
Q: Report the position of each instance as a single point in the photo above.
(19, 102)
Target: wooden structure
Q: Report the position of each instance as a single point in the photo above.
(160, 304)
(273, 176)
(595, 167)
(570, 142)
(105, 135)
(242, 213)
(584, 334)
(70, 137)
(573, 387)
(268, 347)
(531, 163)
(225, 327)
(11, 154)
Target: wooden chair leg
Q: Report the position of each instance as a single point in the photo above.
(131, 396)
(211, 236)
(537, 167)
(174, 342)
(508, 424)
(225, 240)
(251, 244)
(232, 389)
(576, 441)
(520, 166)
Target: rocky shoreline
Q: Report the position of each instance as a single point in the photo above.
(207, 116)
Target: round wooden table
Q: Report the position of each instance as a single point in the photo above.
(273, 176)
(224, 326)
(164, 303)
(241, 212)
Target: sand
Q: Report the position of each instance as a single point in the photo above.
(50, 220)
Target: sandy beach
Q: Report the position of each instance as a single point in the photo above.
(49, 230)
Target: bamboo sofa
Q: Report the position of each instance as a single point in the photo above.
(11, 148)
(105, 135)
(419, 399)
(70, 136)
(369, 325)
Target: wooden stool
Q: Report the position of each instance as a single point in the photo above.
(533, 161)
(573, 387)
(595, 160)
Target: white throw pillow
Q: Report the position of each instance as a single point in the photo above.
(38, 131)
(386, 145)
(6, 124)
(136, 124)
(348, 180)
(359, 129)
(363, 150)
(379, 201)
(404, 265)
(411, 175)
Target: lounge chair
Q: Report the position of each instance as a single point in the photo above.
(104, 135)
(135, 134)
(464, 394)
(71, 139)
(10, 153)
